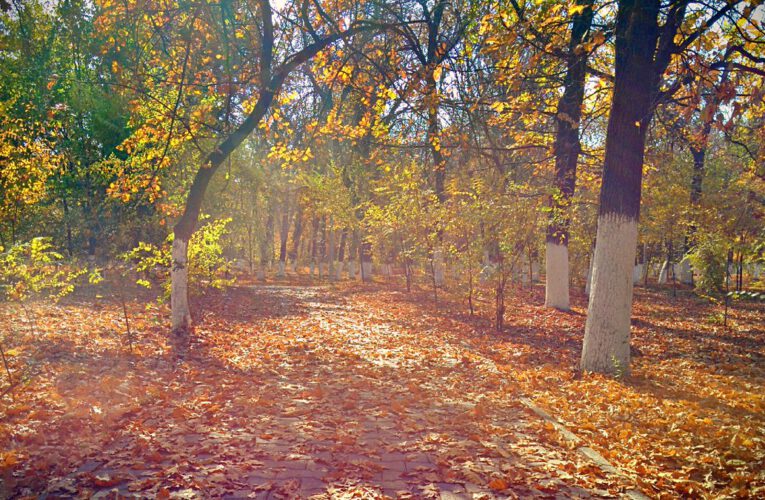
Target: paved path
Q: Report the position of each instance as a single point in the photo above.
(331, 395)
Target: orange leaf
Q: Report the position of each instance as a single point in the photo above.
(498, 484)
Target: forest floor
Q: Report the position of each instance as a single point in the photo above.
(295, 390)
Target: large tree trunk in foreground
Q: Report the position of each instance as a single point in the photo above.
(607, 332)
(567, 149)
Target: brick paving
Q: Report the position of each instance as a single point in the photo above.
(368, 412)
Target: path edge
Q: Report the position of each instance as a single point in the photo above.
(592, 455)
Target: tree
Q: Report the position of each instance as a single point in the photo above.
(566, 156)
(241, 74)
(643, 52)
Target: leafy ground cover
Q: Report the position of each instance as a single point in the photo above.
(297, 390)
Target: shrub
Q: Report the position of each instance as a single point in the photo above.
(709, 259)
(34, 268)
(208, 268)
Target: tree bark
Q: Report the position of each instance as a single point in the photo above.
(352, 252)
(284, 231)
(641, 56)
(365, 256)
(68, 225)
(179, 293)
(341, 254)
(323, 248)
(567, 148)
(296, 234)
(266, 250)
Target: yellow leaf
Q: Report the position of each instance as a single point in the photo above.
(437, 73)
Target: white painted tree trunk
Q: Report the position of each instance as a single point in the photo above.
(330, 269)
(366, 271)
(637, 274)
(352, 269)
(556, 276)
(524, 272)
(293, 267)
(486, 269)
(179, 283)
(607, 332)
(311, 269)
(664, 273)
(685, 272)
(280, 273)
(438, 267)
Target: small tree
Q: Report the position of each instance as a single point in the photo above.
(208, 268)
(29, 270)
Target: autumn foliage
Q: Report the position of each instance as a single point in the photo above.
(378, 249)
(367, 390)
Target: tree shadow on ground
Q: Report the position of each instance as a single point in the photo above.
(152, 424)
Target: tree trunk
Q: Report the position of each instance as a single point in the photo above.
(438, 267)
(697, 179)
(323, 248)
(271, 82)
(296, 233)
(365, 256)
(68, 225)
(341, 254)
(314, 244)
(666, 273)
(284, 232)
(567, 150)
(606, 346)
(499, 295)
(180, 312)
(332, 248)
(187, 223)
(698, 152)
(740, 272)
(588, 277)
(353, 251)
(250, 246)
(439, 163)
